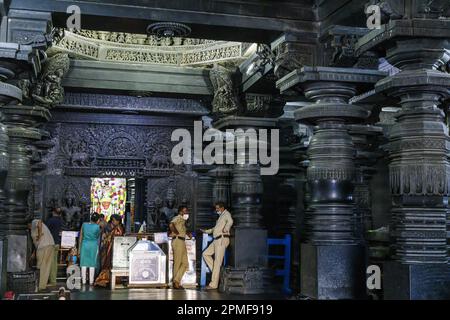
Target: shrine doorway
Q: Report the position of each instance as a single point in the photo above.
(121, 196)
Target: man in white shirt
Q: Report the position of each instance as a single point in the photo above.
(221, 235)
(44, 244)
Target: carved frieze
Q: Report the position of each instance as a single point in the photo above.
(95, 149)
(94, 101)
(124, 47)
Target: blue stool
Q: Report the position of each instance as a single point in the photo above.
(286, 271)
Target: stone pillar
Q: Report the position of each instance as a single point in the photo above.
(247, 267)
(38, 167)
(332, 249)
(289, 207)
(8, 93)
(364, 139)
(418, 153)
(24, 38)
(205, 217)
(222, 184)
(204, 212)
(21, 121)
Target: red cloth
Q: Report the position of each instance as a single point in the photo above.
(9, 295)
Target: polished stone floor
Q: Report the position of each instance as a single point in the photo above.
(90, 293)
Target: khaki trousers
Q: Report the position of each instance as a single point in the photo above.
(44, 257)
(180, 259)
(216, 248)
(54, 267)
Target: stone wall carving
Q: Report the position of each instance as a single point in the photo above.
(93, 149)
(47, 89)
(226, 91)
(92, 101)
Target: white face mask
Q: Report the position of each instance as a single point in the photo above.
(218, 212)
(185, 216)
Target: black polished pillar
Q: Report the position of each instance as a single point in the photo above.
(332, 250)
(365, 139)
(418, 152)
(247, 268)
(8, 94)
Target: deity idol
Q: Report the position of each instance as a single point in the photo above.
(105, 207)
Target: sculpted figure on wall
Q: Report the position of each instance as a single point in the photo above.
(47, 90)
(226, 93)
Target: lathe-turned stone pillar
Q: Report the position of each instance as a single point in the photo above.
(21, 121)
(418, 152)
(247, 267)
(332, 250)
(222, 184)
(365, 139)
(8, 94)
(205, 217)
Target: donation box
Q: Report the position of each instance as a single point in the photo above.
(120, 251)
(147, 264)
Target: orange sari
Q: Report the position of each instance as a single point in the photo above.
(104, 277)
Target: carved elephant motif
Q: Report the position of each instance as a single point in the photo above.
(160, 161)
(80, 159)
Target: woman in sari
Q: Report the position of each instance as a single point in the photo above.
(106, 251)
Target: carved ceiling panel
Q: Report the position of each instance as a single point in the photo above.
(149, 49)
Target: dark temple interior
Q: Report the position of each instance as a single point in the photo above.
(357, 91)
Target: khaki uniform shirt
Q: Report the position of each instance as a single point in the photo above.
(46, 238)
(223, 224)
(180, 225)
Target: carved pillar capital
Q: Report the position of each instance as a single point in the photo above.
(263, 105)
(291, 52)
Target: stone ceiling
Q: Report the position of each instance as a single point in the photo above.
(148, 49)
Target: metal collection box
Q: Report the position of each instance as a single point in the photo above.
(147, 264)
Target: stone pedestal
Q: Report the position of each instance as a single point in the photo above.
(3, 250)
(253, 253)
(332, 271)
(416, 282)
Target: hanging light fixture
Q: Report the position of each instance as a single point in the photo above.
(168, 29)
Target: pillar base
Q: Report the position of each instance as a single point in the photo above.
(416, 282)
(2, 266)
(17, 253)
(248, 248)
(245, 280)
(333, 271)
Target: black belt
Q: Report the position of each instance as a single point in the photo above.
(181, 238)
(222, 235)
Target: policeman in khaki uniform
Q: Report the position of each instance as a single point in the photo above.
(178, 233)
(221, 235)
